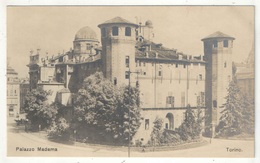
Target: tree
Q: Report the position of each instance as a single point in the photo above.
(157, 132)
(192, 124)
(39, 112)
(231, 120)
(60, 129)
(248, 112)
(101, 109)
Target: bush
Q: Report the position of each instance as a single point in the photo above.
(60, 130)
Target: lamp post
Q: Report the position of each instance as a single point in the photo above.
(129, 84)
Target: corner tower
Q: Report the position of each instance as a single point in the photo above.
(218, 52)
(118, 38)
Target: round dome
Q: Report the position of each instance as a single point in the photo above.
(86, 33)
(149, 23)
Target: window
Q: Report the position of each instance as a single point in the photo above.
(184, 66)
(88, 47)
(225, 64)
(128, 31)
(146, 124)
(215, 44)
(225, 43)
(144, 73)
(140, 63)
(215, 103)
(103, 32)
(15, 93)
(176, 65)
(170, 101)
(11, 93)
(200, 76)
(115, 31)
(182, 99)
(166, 125)
(115, 81)
(137, 84)
(144, 64)
(127, 61)
(127, 75)
(160, 73)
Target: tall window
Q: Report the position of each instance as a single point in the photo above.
(146, 124)
(215, 103)
(225, 43)
(115, 31)
(127, 61)
(115, 81)
(103, 32)
(128, 31)
(127, 75)
(215, 44)
(170, 101)
(160, 73)
(200, 76)
(182, 99)
(88, 47)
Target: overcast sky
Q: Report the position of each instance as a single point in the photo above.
(53, 29)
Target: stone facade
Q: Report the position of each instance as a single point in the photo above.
(13, 92)
(168, 80)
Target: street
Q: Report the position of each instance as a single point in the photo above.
(20, 143)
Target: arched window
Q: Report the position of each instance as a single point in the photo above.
(128, 31)
(115, 31)
(170, 118)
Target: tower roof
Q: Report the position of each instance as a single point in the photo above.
(86, 33)
(10, 70)
(217, 34)
(117, 20)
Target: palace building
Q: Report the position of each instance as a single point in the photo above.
(12, 92)
(169, 80)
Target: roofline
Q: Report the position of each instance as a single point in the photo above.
(103, 24)
(170, 60)
(212, 38)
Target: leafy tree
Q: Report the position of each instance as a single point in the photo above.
(127, 111)
(39, 112)
(60, 129)
(103, 110)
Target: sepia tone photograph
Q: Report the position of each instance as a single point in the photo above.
(130, 81)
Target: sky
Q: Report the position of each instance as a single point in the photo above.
(53, 28)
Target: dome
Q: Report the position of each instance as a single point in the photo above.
(86, 33)
(149, 23)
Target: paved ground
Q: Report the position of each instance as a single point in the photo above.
(17, 138)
